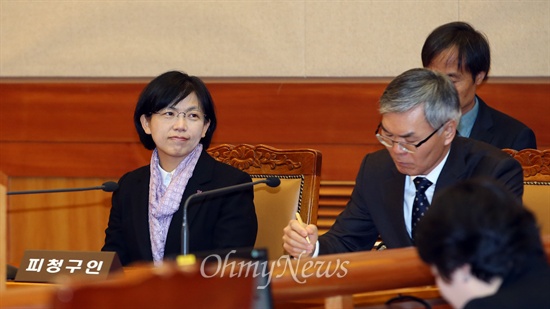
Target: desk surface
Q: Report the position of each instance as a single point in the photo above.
(38, 296)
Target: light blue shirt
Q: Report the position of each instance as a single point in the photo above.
(467, 120)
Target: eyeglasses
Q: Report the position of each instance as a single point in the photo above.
(408, 147)
(171, 115)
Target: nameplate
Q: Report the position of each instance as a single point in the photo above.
(48, 265)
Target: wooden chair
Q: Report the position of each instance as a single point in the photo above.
(300, 174)
(166, 286)
(536, 181)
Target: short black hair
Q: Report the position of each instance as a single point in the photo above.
(168, 89)
(473, 48)
(478, 222)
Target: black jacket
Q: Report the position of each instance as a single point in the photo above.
(220, 222)
(376, 204)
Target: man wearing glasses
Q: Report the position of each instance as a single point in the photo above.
(420, 110)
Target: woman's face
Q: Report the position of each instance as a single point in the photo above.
(176, 130)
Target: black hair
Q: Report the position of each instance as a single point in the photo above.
(167, 90)
(480, 223)
(472, 46)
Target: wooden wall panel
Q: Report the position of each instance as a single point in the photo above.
(333, 198)
(74, 159)
(56, 221)
(292, 113)
(68, 112)
(266, 113)
(85, 128)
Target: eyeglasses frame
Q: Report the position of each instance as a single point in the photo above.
(178, 113)
(378, 135)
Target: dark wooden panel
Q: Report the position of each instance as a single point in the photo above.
(269, 113)
(253, 113)
(333, 198)
(71, 159)
(75, 128)
(68, 112)
(298, 113)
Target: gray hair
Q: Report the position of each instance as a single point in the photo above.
(416, 87)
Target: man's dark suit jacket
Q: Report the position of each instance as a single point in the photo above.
(501, 130)
(220, 222)
(376, 204)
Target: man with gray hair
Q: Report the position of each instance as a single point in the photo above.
(420, 110)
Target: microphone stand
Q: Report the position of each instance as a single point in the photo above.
(271, 181)
(109, 186)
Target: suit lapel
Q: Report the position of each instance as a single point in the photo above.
(394, 185)
(455, 167)
(483, 126)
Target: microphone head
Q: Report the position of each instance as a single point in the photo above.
(273, 181)
(109, 186)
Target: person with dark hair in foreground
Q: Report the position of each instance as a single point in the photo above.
(484, 248)
(175, 118)
(462, 53)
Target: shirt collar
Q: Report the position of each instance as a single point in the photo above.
(467, 120)
(166, 176)
(434, 174)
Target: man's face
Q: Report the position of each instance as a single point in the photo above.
(447, 63)
(412, 127)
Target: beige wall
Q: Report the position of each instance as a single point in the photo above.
(222, 38)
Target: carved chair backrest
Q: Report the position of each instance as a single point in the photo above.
(536, 181)
(300, 174)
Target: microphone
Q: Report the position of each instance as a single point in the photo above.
(109, 186)
(270, 181)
